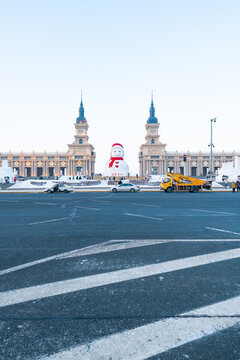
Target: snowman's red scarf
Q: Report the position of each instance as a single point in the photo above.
(113, 159)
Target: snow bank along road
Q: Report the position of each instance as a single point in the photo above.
(120, 276)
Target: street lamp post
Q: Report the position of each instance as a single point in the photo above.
(211, 147)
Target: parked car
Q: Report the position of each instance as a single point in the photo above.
(124, 187)
(20, 178)
(59, 188)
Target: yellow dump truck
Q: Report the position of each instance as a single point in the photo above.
(179, 182)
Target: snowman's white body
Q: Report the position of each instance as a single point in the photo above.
(116, 166)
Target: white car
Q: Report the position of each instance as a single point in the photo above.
(59, 187)
(125, 187)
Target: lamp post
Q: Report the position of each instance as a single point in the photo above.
(211, 147)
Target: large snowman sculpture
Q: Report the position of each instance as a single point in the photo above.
(116, 166)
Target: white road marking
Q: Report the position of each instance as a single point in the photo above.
(41, 203)
(108, 246)
(226, 231)
(155, 338)
(53, 220)
(215, 212)
(143, 216)
(102, 201)
(145, 205)
(85, 207)
(82, 283)
(112, 245)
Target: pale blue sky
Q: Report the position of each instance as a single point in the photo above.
(116, 52)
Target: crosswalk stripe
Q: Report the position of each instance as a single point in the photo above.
(158, 337)
(82, 283)
(108, 246)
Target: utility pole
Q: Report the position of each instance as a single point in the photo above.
(211, 147)
(184, 161)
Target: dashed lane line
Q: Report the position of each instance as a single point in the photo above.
(155, 338)
(82, 283)
(140, 204)
(108, 246)
(143, 216)
(215, 212)
(53, 220)
(225, 231)
(42, 203)
(85, 207)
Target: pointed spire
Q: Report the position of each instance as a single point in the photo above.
(81, 99)
(81, 118)
(152, 119)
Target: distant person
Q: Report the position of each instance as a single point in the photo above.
(226, 183)
(238, 185)
(120, 182)
(233, 186)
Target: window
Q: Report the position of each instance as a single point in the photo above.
(62, 171)
(80, 141)
(39, 171)
(154, 157)
(193, 171)
(78, 157)
(16, 170)
(152, 141)
(51, 171)
(205, 171)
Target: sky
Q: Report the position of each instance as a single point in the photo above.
(117, 52)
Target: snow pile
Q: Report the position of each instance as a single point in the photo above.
(215, 184)
(32, 184)
(230, 169)
(6, 172)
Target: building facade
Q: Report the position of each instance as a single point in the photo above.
(155, 160)
(78, 160)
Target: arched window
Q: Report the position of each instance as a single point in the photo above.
(80, 141)
(152, 141)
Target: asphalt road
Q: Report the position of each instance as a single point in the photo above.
(120, 276)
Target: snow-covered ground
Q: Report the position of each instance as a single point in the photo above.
(32, 184)
(215, 184)
(80, 185)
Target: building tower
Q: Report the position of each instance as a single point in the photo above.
(81, 154)
(152, 153)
